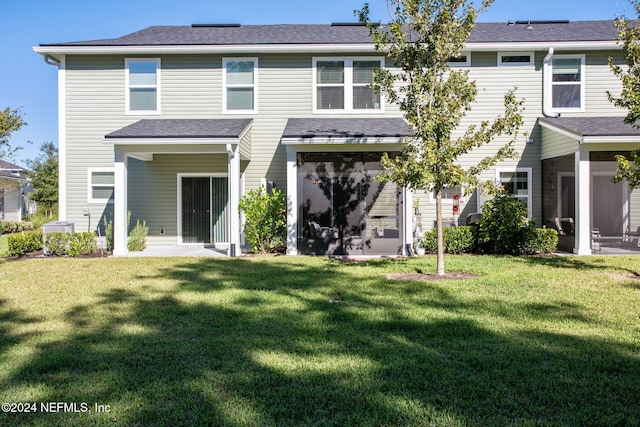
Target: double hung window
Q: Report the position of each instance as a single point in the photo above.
(240, 85)
(344, 84)
(143, 86)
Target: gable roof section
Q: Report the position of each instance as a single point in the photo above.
(593, 129)
(344, 34)
(332, 130)
(339, 38)
(182, 129)
(6, 169)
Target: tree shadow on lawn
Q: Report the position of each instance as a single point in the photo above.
(159, 359)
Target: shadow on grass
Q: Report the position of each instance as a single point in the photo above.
(277, 352)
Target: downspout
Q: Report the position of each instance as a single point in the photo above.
(546, 87)
(51, 61)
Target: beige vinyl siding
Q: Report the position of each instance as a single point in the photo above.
(555, 144)
(634, 210)
(153, 186)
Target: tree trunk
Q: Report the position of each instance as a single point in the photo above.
(440, 269)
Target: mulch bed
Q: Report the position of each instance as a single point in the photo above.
(40, 254)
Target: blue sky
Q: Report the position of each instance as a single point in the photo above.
(27, 82)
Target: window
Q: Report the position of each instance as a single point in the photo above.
(143, 87)
(240, 87)
(566, 89)
(464, 60)
(518, 183)
(515, 58)
(447, 194)
(344, 84)
(101, 185)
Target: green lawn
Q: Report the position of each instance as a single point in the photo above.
(4, 245)
(284, 341)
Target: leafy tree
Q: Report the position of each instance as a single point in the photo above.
(422, 38)
(45, 177)
(10, 121)
(629, 35)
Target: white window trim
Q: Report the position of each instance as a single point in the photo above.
(225, 110)
(157, 86)
(445, 201)
(548, 90)
(348, 84)
(466, 63)
(90, 198)
(531, 56)
(529, 172)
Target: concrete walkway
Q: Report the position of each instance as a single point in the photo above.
(178, 251)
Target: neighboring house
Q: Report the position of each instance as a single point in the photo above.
(13, 186)
(175, 124)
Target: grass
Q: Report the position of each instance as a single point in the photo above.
(258, 342)
(4, 245)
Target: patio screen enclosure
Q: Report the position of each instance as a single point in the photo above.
(343, 209)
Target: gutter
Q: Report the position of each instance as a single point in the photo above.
(546, 85)
(51, 61)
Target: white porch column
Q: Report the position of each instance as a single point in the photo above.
(292, 201)
(583, 202)
(234, 199)
(407, 220)
(120, 203)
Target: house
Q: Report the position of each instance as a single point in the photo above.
(176, 123)
(13, 185)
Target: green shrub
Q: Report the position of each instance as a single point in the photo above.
(82, 244)
(56, 243)
(504, 227)
(28, 241)
(265, 219)
(137, 236)
(457, 240)
(108, 233)
(9, 227)
(543, 241)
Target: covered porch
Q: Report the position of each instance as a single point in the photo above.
(335, 204)
(183, 177)
(592, 214)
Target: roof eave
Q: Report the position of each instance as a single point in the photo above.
(56, 50)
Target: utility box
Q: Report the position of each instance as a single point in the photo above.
(55, 227)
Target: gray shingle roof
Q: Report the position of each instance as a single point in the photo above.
(593, 126)
(344, 34)
(346, 128)
(183, 128)
(6, 165)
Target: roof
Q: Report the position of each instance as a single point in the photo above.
(6, 165)
(592, 126)
(183, 128)
(346, 128)
(579, 31)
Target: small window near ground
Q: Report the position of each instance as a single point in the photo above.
(101, 186)
(517, 183)
(515, 58)
(448, 194)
